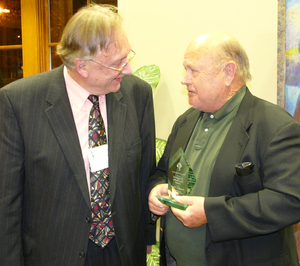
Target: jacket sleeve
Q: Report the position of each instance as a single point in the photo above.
(11, 184)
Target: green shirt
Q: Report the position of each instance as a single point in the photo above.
(187, 245)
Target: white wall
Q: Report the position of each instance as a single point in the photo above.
(160, 30)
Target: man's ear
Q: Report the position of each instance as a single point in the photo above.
(81, 67)
(230, 71)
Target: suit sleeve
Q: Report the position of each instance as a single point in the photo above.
(11, 184)
(277, 203)
(147, 132)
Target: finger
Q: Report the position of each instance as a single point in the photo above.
(157, 207)
(164, 189)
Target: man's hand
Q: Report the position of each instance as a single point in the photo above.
(155, 205)
(194, 215)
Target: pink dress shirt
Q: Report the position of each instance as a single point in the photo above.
(81, 107)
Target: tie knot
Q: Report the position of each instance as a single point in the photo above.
(94, 99)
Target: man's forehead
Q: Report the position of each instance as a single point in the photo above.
(118, 43)
(197, 61)
(116, 51)
(194, 55)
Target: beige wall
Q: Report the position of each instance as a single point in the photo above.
(160, 30)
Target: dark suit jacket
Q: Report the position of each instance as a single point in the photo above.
(249, 218)
(44, 200)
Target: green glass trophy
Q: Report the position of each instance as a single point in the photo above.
(180, 182)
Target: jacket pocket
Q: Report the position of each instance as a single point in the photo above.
(247, 184)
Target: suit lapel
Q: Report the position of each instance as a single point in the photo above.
(116, 117)
(61, 119)
(232, 149)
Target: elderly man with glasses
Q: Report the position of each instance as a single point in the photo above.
(76, 149)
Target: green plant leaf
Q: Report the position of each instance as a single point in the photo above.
(153, 258)
(160, 148)
(150, 74)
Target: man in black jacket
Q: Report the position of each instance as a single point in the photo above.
(231, 219)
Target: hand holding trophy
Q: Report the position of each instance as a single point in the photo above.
(180, 182)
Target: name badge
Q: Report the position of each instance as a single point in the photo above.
(98, 157)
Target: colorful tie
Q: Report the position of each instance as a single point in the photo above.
(102, 230)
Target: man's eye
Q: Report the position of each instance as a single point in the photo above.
(116, 64)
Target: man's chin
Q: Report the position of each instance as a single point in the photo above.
(193, 103)
(116, 86)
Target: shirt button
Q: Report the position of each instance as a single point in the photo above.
(81, 255)
(212, 116)
(88, 220)
(206, 129)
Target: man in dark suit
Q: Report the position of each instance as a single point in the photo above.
(232, 218)
(46, 163)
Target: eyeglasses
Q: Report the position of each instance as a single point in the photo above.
(129, 58)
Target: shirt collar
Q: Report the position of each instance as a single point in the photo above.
(230, 105)
(78, 94)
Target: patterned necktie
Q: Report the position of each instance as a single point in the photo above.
(102, 230)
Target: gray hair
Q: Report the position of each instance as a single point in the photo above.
(93, 28)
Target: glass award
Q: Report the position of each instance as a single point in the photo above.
(180, 182)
